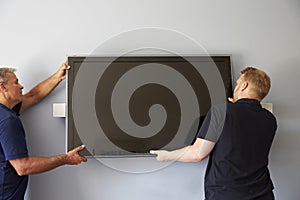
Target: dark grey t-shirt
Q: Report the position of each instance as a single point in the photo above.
(238, 164)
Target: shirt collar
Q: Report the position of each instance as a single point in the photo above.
(248, 101)
(8, 109)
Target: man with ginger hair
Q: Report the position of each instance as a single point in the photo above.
(237, 137)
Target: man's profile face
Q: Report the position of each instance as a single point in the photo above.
(14, 88)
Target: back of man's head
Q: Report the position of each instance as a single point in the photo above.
(260, 82)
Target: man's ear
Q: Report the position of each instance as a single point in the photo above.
(244, 86)
(2, 86)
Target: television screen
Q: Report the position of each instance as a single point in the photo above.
(126, 106)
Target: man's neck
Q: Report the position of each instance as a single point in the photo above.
(6, 103)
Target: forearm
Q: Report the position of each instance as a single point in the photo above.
(34, 165)
(176, 155)
(44, 88)
(186, 154)
(192, 153)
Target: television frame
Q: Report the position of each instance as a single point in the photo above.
(72, 137)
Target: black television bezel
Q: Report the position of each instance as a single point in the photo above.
(72, 136)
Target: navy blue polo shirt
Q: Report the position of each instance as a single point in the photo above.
(238, 165)
(12, 146)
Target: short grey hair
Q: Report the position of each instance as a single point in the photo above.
(3, 73)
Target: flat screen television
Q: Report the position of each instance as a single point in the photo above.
(128, 105)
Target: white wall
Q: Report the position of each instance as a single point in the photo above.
(36, 36)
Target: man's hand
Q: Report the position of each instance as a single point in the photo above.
(61, 73)
(73, 157)
(162, 155)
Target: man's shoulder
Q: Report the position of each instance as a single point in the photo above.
(6, 113)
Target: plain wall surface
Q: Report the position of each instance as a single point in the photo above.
(36, 37)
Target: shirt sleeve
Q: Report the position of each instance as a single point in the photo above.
(213, 123)
(12, 139)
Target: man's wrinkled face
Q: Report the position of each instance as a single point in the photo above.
(13, 88)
